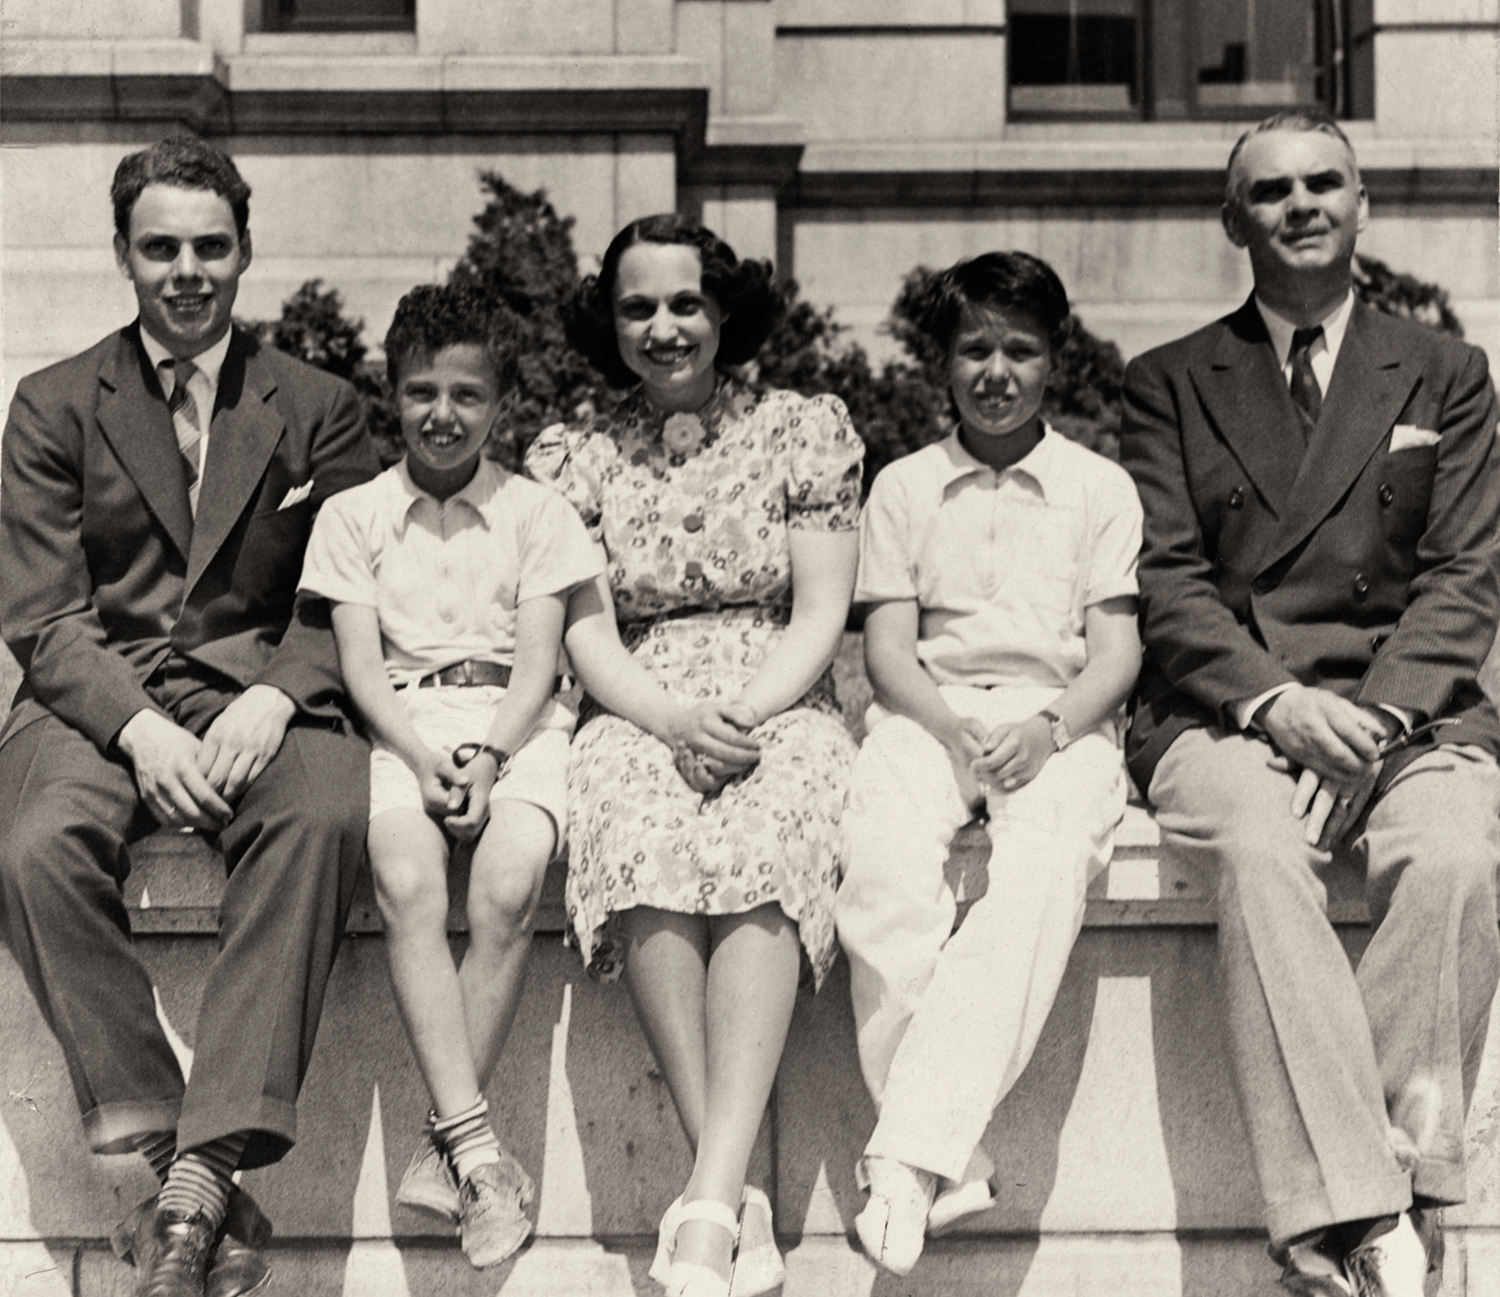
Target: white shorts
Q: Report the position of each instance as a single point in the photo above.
(447, 716)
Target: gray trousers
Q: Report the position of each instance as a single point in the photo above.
(1331, 1062)
(68, 814)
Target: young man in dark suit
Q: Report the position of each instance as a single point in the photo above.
(156, 495)
(1319, 585)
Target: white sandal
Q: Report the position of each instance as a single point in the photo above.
(758, 1267)
(686, 1278)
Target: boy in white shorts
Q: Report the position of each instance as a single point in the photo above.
(998, 567)
(449, 577)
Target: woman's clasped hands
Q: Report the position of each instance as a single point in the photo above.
(711, 744)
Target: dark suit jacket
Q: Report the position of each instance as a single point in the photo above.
(1362, 566)
(105, 569)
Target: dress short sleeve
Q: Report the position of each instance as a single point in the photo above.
(824, 459)
(572, 462)
(338, 564)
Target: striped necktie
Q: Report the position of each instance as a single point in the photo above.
(185, 422)
(1307, 396)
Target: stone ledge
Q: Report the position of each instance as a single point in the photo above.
(177, 879)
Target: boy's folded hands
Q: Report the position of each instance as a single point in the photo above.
(458, 797)
(1015, 753)
(965, 748)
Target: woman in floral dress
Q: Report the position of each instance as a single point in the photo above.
(705, 800)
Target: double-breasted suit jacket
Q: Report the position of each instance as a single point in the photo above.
(1363, 561)
(106, 569)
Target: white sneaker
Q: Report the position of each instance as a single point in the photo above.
(1394, 1264)
(973, 1194)
(893, 1225)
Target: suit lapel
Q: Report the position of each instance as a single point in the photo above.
(1246, 397)
(134, 419)
(1368, 390)
(242, 438)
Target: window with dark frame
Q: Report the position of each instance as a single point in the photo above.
(1166, 60)
(340, 15)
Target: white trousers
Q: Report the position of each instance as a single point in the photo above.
(947, 1021)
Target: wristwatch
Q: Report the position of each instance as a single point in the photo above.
(466, 752)
(1060, 735)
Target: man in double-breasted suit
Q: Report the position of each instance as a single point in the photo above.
(156, 494)
(1318, 585)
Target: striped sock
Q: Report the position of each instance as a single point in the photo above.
(468, 1138)
(202, 1178)
(158, 1147)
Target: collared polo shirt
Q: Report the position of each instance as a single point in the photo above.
(1002, 565)
(445, 576)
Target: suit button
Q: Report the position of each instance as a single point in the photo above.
(1237, 499)
(1386, 493)
(1361, 586)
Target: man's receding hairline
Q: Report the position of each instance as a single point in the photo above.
(1289, 123)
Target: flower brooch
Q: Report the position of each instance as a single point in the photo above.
(683, 434)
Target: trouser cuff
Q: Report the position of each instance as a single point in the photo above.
(113, 1127)
(1334, 1204)
(1446, 1183)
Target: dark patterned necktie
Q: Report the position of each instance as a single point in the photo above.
(1307, 396)
(185, 422)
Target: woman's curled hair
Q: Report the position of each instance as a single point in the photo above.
(747, 295)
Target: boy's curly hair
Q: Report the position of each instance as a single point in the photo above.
(747, 295)
(434, 316)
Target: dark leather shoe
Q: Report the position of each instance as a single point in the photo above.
(236, 1270)
(172, 1251)
(243, 1219)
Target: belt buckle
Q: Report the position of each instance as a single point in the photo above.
(467, 667)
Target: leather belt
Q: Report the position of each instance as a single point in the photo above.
(474, 672)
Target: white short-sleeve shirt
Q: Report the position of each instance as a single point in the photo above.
(445, 576)
(1001, 565)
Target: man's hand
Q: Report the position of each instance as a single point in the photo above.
(1331, 807)
(166, 759)
(1014, 754)
(243, 738)
(1317, 730)
(965, 747)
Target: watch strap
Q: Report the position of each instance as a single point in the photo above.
(1061, 736)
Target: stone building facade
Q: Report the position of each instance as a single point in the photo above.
(848, 139)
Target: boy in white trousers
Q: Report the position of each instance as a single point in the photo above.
(998, 568)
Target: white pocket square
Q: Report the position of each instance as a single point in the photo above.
(296, 495)
(1407, 436)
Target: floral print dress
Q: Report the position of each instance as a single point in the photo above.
(695, 521)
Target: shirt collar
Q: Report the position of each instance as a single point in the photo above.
(405, 494)
(1039, 464)
(1335, 323)
(208, 363)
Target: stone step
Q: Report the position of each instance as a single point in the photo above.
(1080, 1265)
